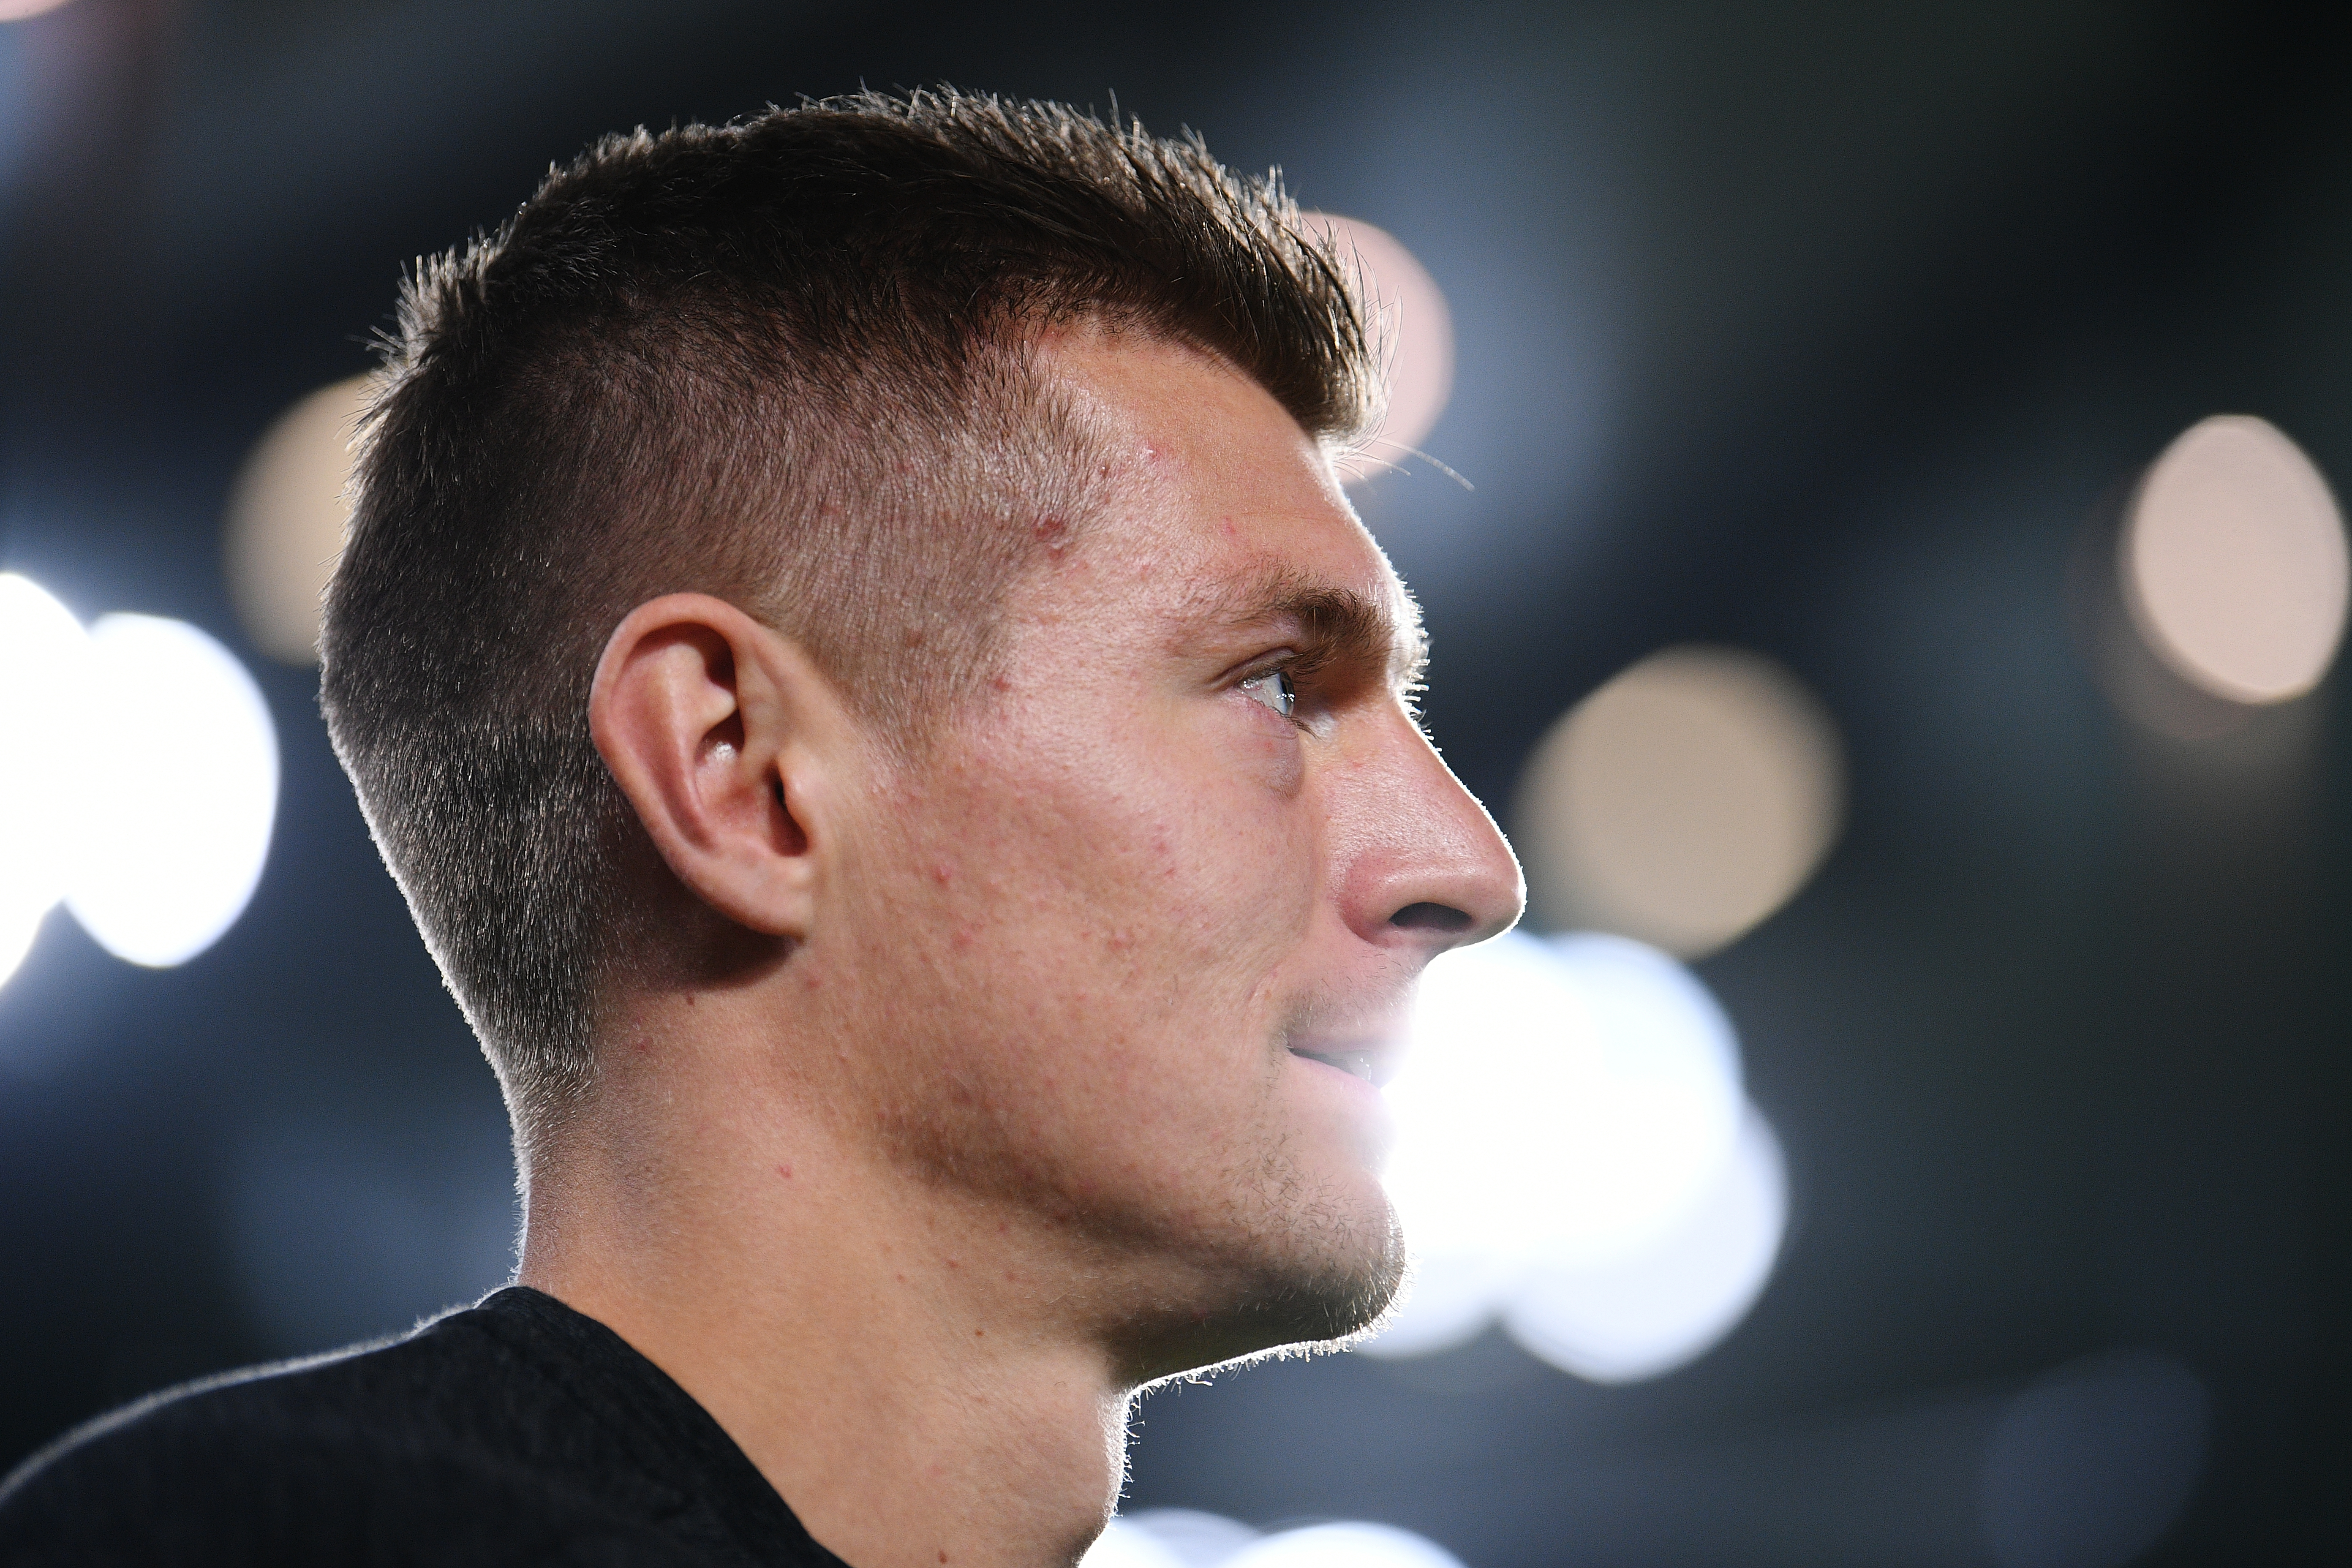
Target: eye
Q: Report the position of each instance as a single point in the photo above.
(1274, 688)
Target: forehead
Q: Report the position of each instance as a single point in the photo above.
(1223, 510)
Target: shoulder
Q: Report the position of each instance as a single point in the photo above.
(423, 1448)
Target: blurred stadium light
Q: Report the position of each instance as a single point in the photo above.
(1181, 1537)
(1343, 1545)
(44, 660)
(1574, 1153)
(185, 790)
(1682, 803)
(286, 519)
(1644, 1315)
(2234, 562)
(138, 780)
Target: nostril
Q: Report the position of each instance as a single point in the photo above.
(1430, 917)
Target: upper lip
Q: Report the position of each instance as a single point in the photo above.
(1373, 1059)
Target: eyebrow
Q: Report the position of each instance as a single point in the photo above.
(1338, 624)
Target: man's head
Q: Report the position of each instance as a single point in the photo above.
(945, 488)
(780, 362)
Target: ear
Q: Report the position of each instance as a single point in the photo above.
(724, 737)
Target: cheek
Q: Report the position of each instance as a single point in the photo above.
(1100, 899)
(1267, 754)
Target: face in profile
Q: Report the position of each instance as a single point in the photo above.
(1140, 930)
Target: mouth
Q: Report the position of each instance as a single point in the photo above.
(1363, 1062)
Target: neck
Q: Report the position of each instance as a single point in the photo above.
(886, 1356)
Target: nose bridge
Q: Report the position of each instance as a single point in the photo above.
(1407, 831)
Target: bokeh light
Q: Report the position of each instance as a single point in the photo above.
(286, 519)
(1562, 1099)
(45, 704)
(1416, 332)
(2234, 564)
(1575, 1155)
(1169, 1538)
(183, 791)
(138, 780)
(1126, 1544)
(23, 10)
(1182, 1538)
(1195, 1539)
(1343, 1545)
(1639, 1316)
(1683, 801)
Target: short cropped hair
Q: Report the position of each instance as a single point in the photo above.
(780, 362)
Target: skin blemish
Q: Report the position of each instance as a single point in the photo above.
(1051, 532)
(785, 1172)
(942, 873)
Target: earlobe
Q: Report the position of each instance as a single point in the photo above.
(718, 731)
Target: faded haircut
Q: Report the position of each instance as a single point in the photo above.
(780, 362)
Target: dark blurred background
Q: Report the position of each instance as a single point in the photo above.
(1831, 331)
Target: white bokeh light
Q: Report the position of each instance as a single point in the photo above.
(1568, 1098)
(1343, 1545)
(1182, 1538)
(1665, 1307)
(44, 708)
(1124, 1544)
(181, 796)
(1196, 1540)
(1169, 1538)
(1575, 1155)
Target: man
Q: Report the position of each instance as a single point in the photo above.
(853, 646)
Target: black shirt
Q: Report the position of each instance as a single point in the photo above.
(515, 1431)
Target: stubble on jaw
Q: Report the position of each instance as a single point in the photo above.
(1289, 1268)
(1280, 1259)
(1324, 1277)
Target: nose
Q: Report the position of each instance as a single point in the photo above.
(1421, 865)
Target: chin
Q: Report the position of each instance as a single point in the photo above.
(1287, 1298)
